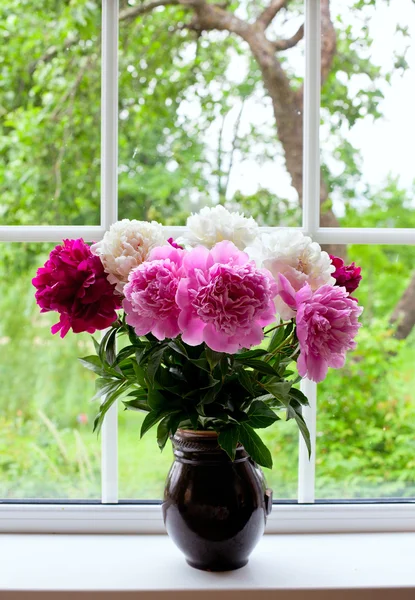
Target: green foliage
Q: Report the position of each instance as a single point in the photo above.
(178, 385)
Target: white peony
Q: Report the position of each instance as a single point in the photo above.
(297, 257)
(125, 246)
(212, 225)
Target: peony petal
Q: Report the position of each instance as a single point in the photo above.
(317, 368)
(192, 329)
(219, 341)
(226, 252)
(182, 294)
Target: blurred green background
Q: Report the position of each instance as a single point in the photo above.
(195, 129)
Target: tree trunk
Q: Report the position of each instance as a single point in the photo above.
(404, 313)
(288, 112)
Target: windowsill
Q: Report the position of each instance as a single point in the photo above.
(315, 566)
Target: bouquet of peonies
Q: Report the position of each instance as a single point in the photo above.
(211, 326)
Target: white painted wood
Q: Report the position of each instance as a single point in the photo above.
(311, 214)
(109, 113)
(109, 213)
(141, 518)
(306, 464)
(315, 566)
(311, 118)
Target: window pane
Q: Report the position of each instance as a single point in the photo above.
(47, 449)
(50, 113)
(197, 123)
(366, 411)
(367, 114)
(143, 468)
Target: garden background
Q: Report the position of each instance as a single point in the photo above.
(203, 121)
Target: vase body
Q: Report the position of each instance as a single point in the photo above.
(214, 509)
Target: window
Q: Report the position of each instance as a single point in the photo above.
(182, 132)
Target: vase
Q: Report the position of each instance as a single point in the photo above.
(214, 509)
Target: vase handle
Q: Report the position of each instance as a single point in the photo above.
(268, 501)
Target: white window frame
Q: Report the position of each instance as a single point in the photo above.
(306, 515)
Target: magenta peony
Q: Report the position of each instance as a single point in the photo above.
(347, 276)
(73, 283)
(326, 326)
(150, 294)
(224, 299)
(174, 244)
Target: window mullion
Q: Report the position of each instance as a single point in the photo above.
(109, 212)
(311, 215)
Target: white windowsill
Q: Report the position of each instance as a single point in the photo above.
(315, 566)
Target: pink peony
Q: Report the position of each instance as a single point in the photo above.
(326, 326)
(225, 300)
(347, 276)
(73, 283)
(150, 293)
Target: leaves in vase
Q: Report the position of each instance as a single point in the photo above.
(255, 446)
(228, 440)
(261, 415)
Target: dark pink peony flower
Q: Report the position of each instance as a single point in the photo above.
(174, 244)
(225, 299)
(327, 323)
(73, 283)
(347, 276)
(150, 294)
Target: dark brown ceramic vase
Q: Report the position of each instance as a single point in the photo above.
(214, 509)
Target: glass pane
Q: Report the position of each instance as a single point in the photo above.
(143, 468)
(47, 449)
(50, 113)
(199, 125)
(367, 114)
(366, 411)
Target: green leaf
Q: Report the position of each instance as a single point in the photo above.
(200, 363)
(247, 381)
(96, 344)
(178, 347)
(213, 357)
(261, 415)
(260, 366)
(102, 346)
(108, 402)
(154, 362)
(125, 353)
(139, 374)
(255, 446)
(93, 364)
(228, 440)
(250, 354)
(163, 431)
(293, 414)
(175, 420)
(279, 389)
(110, 352)
(151, 419)
(104, 386)
(299, 396)
(138, 401)
(156, 400)
(276, 339)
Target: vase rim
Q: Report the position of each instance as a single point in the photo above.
(194, 433)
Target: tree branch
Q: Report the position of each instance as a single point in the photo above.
(328, 40)
(146, 7)
(290, 42)
(267, 16)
